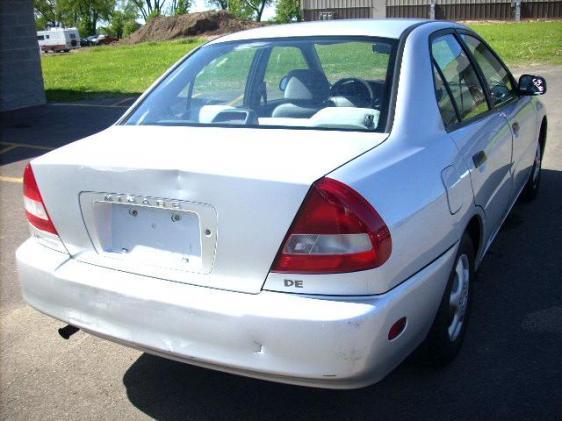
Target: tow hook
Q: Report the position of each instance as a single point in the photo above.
(67, 331)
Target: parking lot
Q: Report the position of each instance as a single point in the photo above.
(510, 366)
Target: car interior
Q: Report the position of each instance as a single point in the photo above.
(318, 83)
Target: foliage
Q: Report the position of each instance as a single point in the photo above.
(87, 12)
(219, 4)
(129, 27)
(46, 13)
(154, 14)
(287, 11)
(150, 8)
(84, 14)
(180, 7)
(240, 9)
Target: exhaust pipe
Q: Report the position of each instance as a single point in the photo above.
(67, 331)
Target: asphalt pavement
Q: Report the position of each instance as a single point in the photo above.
(510, 366)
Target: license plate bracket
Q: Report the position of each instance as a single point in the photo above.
(139, 231)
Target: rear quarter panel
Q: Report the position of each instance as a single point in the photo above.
(403, 179)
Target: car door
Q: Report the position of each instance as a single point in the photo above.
(480, 132)
(518, 110)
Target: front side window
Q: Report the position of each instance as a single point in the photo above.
(40, 37)
(281, 61)
(316, 82)
(460, 76)
(495, 74)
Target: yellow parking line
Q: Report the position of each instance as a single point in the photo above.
(11, 179)
(235, 100)
(26, 145)
(8, 148)
(69, 104)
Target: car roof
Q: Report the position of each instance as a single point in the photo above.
(385, 28)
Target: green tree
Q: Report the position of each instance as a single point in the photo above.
(180, 7)
(248, 9)
(287, 11)
(150, 8)
(240, 9)
(116, 24)
(47, 13)
(257, 7)
(219, 4)
(130, 27)
(85, 14)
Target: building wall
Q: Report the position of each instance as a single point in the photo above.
(21, 81)
(444, 9)
(343, 9)
(474, 9)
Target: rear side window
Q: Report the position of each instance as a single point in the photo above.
(460, 76)
(495, 74)
(40, 37)
(444, 100)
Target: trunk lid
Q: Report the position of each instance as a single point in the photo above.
(204, 206)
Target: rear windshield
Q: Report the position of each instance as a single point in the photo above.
(320, 83)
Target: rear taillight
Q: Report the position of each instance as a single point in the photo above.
(33, 203)
(336, 230)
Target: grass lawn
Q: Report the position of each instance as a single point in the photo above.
(524, 43)
(130, 69)
(109, 70)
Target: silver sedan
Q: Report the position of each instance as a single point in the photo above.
(305, 204)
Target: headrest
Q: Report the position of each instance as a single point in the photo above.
(307, 84)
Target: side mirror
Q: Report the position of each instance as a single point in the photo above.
(532, 85)
(283, 82)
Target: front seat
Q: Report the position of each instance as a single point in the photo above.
(306, 92)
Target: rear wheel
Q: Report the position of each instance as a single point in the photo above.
(532, 187)
(447, 332)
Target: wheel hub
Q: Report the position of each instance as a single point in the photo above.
(458, 297)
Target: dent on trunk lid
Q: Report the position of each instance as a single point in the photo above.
(255, 180)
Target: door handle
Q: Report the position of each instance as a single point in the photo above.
(515, 128)
(479, 158)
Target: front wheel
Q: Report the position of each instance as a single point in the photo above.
(531, 189)
(446, 334)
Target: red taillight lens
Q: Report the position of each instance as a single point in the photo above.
(33, 203)
(336, 230)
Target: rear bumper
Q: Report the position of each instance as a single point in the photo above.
(333, 342)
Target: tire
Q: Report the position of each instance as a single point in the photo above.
(531, 189)
(446, 334)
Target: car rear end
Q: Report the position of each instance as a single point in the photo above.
(234, 248)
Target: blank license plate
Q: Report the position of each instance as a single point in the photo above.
(160, 236)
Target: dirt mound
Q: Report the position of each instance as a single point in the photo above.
(207, 23)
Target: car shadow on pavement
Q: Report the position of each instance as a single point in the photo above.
(510, 364)
(33, 131)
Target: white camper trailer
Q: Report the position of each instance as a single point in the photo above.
(58, 39)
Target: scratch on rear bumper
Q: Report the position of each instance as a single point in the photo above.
(334, 342)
